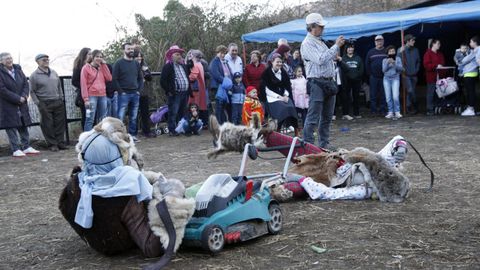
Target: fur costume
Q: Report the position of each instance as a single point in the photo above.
(387, 181)
(181, 209)
(120, 223)
(321, 167)
(232, 138)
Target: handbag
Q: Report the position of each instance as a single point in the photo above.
(329, 87)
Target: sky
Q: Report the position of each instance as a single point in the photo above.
(61, 28)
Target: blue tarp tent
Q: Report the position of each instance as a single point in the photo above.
(369, 24)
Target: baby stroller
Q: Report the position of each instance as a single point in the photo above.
(159, 118)
(448, 94)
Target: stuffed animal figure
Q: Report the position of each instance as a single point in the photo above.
(231, 138)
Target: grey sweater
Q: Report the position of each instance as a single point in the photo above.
(45, 86)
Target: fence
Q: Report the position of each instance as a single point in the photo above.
(152, 89)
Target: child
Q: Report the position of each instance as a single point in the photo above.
(251, 105)
(299, 91)
(392, 67)
(459, 55)
(237, 97)
(191, 122)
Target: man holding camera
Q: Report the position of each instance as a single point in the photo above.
(320, 72)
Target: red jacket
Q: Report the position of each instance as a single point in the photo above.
(253, 75)
(430, 62)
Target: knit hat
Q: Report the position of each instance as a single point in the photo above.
(237, 75)
(250, 88)
(283, 49)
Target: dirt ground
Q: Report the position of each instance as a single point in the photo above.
(438, 230)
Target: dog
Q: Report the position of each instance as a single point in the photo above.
(231, 138)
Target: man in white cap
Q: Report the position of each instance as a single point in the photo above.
(320, 71)
(373, 67)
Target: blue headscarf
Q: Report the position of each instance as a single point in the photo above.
(104, 174)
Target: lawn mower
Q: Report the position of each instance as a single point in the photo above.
(236, 209)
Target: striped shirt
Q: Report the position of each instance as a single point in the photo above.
(318, 58)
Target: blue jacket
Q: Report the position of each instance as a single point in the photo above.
(412, 60)
(469, 62)
(238, 93)
(222, 91)
(392, 70)
(216, 72)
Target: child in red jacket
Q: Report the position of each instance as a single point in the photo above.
(251, 105)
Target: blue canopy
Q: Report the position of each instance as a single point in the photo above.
(368, 24)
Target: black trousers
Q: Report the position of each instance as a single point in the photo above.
(350, 96)
(52, 121)
(470, 89)
(144, 114)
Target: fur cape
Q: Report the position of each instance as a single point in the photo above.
(180, 209)
(232, 138)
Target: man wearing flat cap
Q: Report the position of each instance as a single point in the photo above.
(46, 93)
(411, 62)
(320, 71)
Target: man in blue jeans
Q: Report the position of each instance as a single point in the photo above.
(373, 67)
(320, 72)
(174, 80)
(128, 79)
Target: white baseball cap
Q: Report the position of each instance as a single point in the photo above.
(316, 19)
(378, 37)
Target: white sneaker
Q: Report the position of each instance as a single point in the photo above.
(334, 118)
(469, 111)
(135, 139)
(31, 151)
(390, 115)
(398, 115)
(357, 116)
(18, 153)
(347, 117)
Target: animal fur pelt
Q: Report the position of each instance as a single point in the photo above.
(232, 138)
(280, 193)
(116, 132)
(321, 167)
(388, 182)
(180, 209)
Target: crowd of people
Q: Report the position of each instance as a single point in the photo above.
(296, 86)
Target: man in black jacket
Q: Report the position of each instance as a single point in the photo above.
(174, 80)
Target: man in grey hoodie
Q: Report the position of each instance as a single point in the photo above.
(411, 62)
